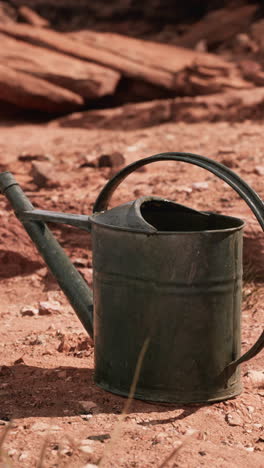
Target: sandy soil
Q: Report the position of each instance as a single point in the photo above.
(59, 417)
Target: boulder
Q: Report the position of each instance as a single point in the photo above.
(29, 92)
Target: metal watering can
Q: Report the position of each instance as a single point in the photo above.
(165, 275)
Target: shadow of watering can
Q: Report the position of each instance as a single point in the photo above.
(163, 273)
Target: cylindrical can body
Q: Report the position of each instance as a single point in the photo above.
(182, 291)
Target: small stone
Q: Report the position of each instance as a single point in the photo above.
(28, 311)
(99, 437)
(67, 451)
(86, 448)
(160, 437)
(19, 361)
(250, 409)
(259, 170)
(90, 465)
(11, 452)
(202, 453)
(234, 419)
(256, 377)
(62, 374)
(86, 417)
(200, 185)
(88, 406)
(43, 174)
(88, 161)
(183, 188)
(229, 162)
(249, 449)
(23, 456)
(49, 307)
(111, 160)
(190, 431)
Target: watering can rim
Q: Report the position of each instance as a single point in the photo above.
(136, 204)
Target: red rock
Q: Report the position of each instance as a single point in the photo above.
(32, 17)
(111, 160)
(88, 80)
(155, 63)
(28, 311)
(43, 174)
(29, 92)
(49, 307)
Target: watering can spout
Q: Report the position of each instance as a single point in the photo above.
(71, 282)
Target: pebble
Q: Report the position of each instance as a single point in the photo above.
(86, 446)
(183, 188)
(28, 311)
(190, 431)
(88, 406)
(250, 409)
(43, 174)
(11, 452)
(88, 161)
(111, 160)
(256, 377)
(66, 451)
(200, 185)
(86, 417)
(49, 307)
(259, 170)
(234, 419)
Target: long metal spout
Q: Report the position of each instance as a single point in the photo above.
(71, 282)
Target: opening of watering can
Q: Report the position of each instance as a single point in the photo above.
(155, 214)
(167, 216)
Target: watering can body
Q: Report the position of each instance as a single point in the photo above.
(182, 292)
(164, 275)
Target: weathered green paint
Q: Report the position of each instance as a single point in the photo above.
(162, 272)
(180, 290)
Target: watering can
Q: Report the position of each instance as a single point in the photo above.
(167, 280)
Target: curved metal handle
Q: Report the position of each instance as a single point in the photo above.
(242, 188)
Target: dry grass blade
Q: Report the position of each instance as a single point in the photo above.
(171, 455)
(117, 429)
(42, 453)
(4, 458)
(4, 435)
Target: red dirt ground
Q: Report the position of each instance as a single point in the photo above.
(59, 417)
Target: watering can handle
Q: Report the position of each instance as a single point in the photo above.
(242, 188)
